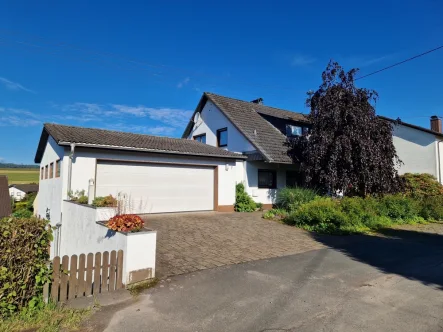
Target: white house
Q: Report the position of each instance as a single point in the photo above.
(19, 191)
(156, 174)
(260, 132)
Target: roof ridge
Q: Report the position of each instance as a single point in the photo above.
(248, 102)
(111, 131)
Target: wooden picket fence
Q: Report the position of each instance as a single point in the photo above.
(85, 275)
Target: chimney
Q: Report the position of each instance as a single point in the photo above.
(436, 124)
(258, 101)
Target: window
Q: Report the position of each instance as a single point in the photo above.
(267, 178)
(42, 175)
(200, 138)
(51, 170)
(293, 131)
(58, 167)
(222, 137)
(293, 179)
(18, 194)
(46, 171)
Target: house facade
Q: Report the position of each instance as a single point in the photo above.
(19, 191)
(260, 132)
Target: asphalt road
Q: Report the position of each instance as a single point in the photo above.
(359, 284)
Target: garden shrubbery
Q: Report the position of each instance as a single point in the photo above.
(24, 258)
(290, 199)
(243, 202)
(105, 201)
(421, 201)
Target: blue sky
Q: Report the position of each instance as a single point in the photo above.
(142, 67)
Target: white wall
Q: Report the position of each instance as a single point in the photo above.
(84, 168)
(50, 190)
(17, 194)
(211, 120)
(80, 234)
(265, 196)
(417, 150)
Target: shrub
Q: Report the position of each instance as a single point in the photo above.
(23, 263)
(421, 185)
(20, 205)
(431, 208)
(82, 200)
(243, 202)
(125, 223)
(275, 214)
(291, 198)
(259, 206)
(323, 215)
(22, 213)
(104, 201)
(398, 207)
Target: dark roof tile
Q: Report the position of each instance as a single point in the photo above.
(64, 135)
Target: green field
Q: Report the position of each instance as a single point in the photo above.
(21, 175)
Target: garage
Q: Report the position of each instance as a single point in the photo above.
(157, 187)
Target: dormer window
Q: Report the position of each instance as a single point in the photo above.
(294, 131)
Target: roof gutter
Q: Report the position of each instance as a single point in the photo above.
(125, 148)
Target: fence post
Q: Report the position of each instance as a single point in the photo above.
(119, 269)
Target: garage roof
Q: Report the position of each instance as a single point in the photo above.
(108, 139)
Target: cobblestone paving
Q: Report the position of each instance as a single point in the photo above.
(188, 242)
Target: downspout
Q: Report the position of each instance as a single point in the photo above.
(71, 157)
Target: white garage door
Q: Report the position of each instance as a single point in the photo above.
(155, 188)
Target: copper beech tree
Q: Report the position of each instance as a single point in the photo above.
(348, 149)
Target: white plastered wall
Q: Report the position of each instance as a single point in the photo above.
(417, 150)
(212, 119)
(84, 168)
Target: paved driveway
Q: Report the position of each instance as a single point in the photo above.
(188, 242)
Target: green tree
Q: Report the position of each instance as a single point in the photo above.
(348, 149)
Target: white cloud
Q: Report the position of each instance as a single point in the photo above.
(12, 120)
(14, 85)
(300, 60)
(182, 83)
(172, 119)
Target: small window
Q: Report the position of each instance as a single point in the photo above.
(46, 171)
(200, 138)
(51, 170)
(267, 178)
(58, 167)
(42, 175)
(18, 194)
(222, 137)
(293, 131)
(293, 179)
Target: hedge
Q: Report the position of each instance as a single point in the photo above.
(24, 259)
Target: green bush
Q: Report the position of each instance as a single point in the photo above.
(431, 208)
(82, 200)
(421, 185)
(259, 206)
(22, 213)
(104, 201)
(291, 198)
(23, 263)
(275, 214)
(325, 216)
(20, 205)
(243, 202)
(398, 207)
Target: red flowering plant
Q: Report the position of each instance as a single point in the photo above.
(126, 223)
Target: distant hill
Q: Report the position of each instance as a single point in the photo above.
(11, 165)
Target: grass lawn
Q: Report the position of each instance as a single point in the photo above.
(48, 319)
(21, 175)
